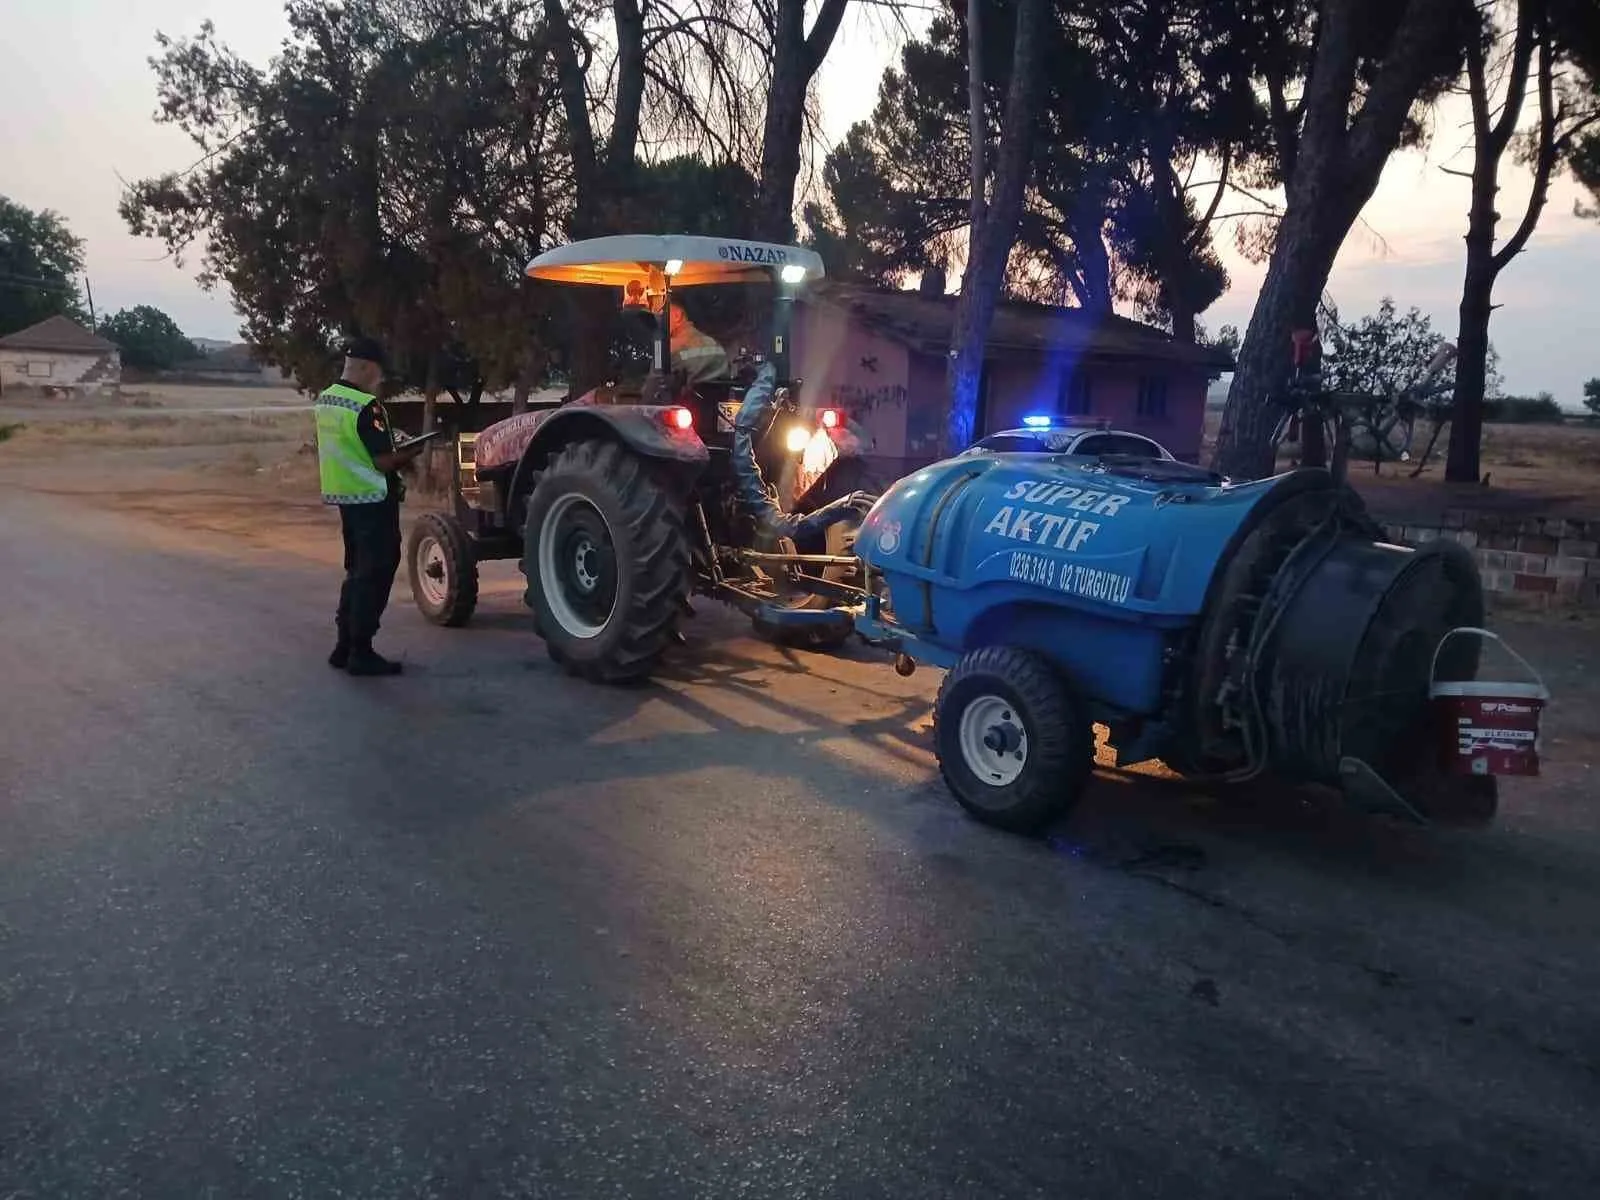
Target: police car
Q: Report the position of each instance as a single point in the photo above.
(1069, 435)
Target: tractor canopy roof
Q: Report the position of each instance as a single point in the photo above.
(684, 259)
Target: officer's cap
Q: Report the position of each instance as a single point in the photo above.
(367, 350)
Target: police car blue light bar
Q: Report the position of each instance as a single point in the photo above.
(1036, 422)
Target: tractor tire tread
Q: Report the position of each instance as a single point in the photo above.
(659, 560)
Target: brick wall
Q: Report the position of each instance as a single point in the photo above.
(1545, 561)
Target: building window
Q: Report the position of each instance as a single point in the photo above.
(1153, 397)
(37, 370)
(1076, 399)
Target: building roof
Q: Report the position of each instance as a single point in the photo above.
(924, 323)
(60, 334)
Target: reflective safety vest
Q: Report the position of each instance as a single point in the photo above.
(694, 352)
(348, 473)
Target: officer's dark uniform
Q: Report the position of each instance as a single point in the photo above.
(371, 543)
(353, 431)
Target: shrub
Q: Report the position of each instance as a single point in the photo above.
(1524, 410)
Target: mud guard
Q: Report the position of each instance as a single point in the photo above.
(641, 428)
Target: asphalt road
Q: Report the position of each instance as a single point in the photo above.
(485, 931)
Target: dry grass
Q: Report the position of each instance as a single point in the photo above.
(162, 431)
(1554, 460)
(179, 396)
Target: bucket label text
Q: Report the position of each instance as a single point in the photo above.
(1090, 583)
(1049, 513)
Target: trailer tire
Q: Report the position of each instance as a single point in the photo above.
(443, 567)
(1015, 744)
(606, 560)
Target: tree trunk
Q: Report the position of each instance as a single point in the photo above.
(1094, 261)
(1183, 317)
(1462, 464)
(989, 244)
(1308, 240)
(430, 391)
(521, 392)
(1337, 163)
(795, 59)
(602, 177)
(1490, 139)
(977, 125)
(1174, 254)
(430, 405)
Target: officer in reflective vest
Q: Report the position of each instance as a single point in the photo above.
(360, 464)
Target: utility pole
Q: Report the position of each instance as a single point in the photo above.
(94, 326)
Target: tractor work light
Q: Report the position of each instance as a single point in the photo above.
(797, 439)
(830, 418)
(674, 265)
(680, 418)
(793, 273)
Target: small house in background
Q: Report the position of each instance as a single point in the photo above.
(59, 357)
(881, 354)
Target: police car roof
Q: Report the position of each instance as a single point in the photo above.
(1057, 424)
(614, 261)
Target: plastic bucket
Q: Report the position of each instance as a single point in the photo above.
(1487, 727)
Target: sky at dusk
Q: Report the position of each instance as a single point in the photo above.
(79, 122)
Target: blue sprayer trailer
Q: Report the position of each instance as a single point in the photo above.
(1231, 631)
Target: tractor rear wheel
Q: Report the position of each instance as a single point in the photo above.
(841, 540)
(606, 560)
(1015, 745)
(444, 570)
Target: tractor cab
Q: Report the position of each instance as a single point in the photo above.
(711, 311)
(696, 470)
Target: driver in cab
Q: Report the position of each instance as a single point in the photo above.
(696, 355)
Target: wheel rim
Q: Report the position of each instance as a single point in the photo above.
(994, 742)
(433, 572)
(578, 566)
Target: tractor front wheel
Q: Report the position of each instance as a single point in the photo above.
(444, 570)
(1015, 745)
(607, 562)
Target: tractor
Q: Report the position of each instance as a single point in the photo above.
(707, 476)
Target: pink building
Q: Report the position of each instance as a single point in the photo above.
(880, 355)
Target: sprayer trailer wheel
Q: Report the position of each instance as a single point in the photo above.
(444, 569)
(1015, 745)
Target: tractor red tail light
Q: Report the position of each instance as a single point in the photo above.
(680, 418)
(831, 418)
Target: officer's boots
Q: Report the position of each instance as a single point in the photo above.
(361, 660)
(366, 661)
